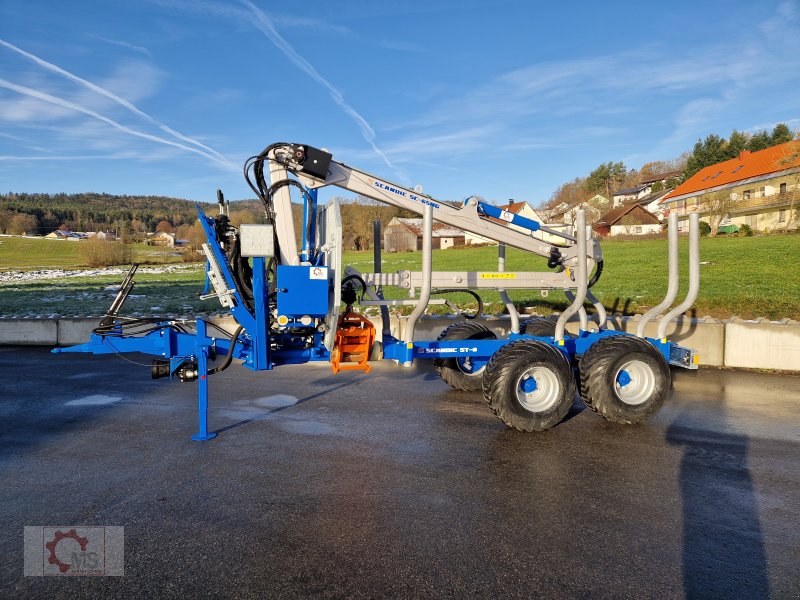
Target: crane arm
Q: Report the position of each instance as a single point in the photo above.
(316, 169)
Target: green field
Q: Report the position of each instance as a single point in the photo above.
(21, 253)
(748, 277)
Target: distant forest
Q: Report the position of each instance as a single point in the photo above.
(132, 217)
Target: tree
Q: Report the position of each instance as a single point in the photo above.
(569, 194)
(781, 134)
(164, 226)
(719, 205)
(606, 178)
(706, 152)
(759, 141)
(22, 224)
(792, 157)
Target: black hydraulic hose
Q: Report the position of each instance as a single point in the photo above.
(472, 293)
(597, 272)
(229, 356)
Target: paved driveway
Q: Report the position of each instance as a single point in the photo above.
(391, 485)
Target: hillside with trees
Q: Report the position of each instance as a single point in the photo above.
(132, 217)
(614, 175)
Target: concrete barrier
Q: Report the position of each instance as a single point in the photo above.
(29, 332)
(762, 344)
(757, 344)
(75, 331)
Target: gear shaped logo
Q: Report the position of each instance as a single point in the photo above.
(59, 537)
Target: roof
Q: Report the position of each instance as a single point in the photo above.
(631, 190)
(661, 177)
(513, 207)
(439, 229)
(654, 196)
(747, 165)
(636, 211)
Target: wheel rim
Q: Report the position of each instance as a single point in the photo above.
(538, 389)
(469, 365)
(634, 382)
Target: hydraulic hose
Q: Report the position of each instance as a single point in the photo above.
(229, 356)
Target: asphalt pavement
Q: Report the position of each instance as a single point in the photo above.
(392, 485)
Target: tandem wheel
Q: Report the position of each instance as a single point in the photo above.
(465, 374)
(529, 385)
(624, 378)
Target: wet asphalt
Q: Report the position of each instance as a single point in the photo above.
(392, 485)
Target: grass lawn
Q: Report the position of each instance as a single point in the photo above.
(26, 254)
(748, 277)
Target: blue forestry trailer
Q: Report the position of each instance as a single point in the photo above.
(288, 303)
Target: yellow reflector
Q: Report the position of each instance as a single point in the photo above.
(697, 359)
(410, 345)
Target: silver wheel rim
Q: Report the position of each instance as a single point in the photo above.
(634, 382)
(546, 394)
(465, 366)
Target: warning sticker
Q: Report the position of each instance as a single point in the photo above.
(506, 216)
(498, 275)
(318, 273)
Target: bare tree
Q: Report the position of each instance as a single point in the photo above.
(718, 205)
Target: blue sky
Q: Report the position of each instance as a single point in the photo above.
(500, 99)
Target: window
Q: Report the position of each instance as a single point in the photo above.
(761, 192)
(638, 229)
(737, 168)
(782, 216)
(747, 194)
(783, 188)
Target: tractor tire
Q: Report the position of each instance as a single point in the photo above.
(458, 372)
(624, 379)
(539, 327)
(529, 385)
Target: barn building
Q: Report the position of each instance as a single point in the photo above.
(402, 235)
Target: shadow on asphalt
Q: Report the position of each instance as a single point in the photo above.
(723, 542)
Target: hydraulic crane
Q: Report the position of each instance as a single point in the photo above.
(287, 303)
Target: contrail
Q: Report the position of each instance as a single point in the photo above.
(26, 91)
(268, 29)
(121, 101)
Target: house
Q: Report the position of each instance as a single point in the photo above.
(161, 238)
(403, 235)
(637, 192)
(632, 219)
(652, 203)
(64, 234)
(569, 215)
(759, 189)
(523, 209)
